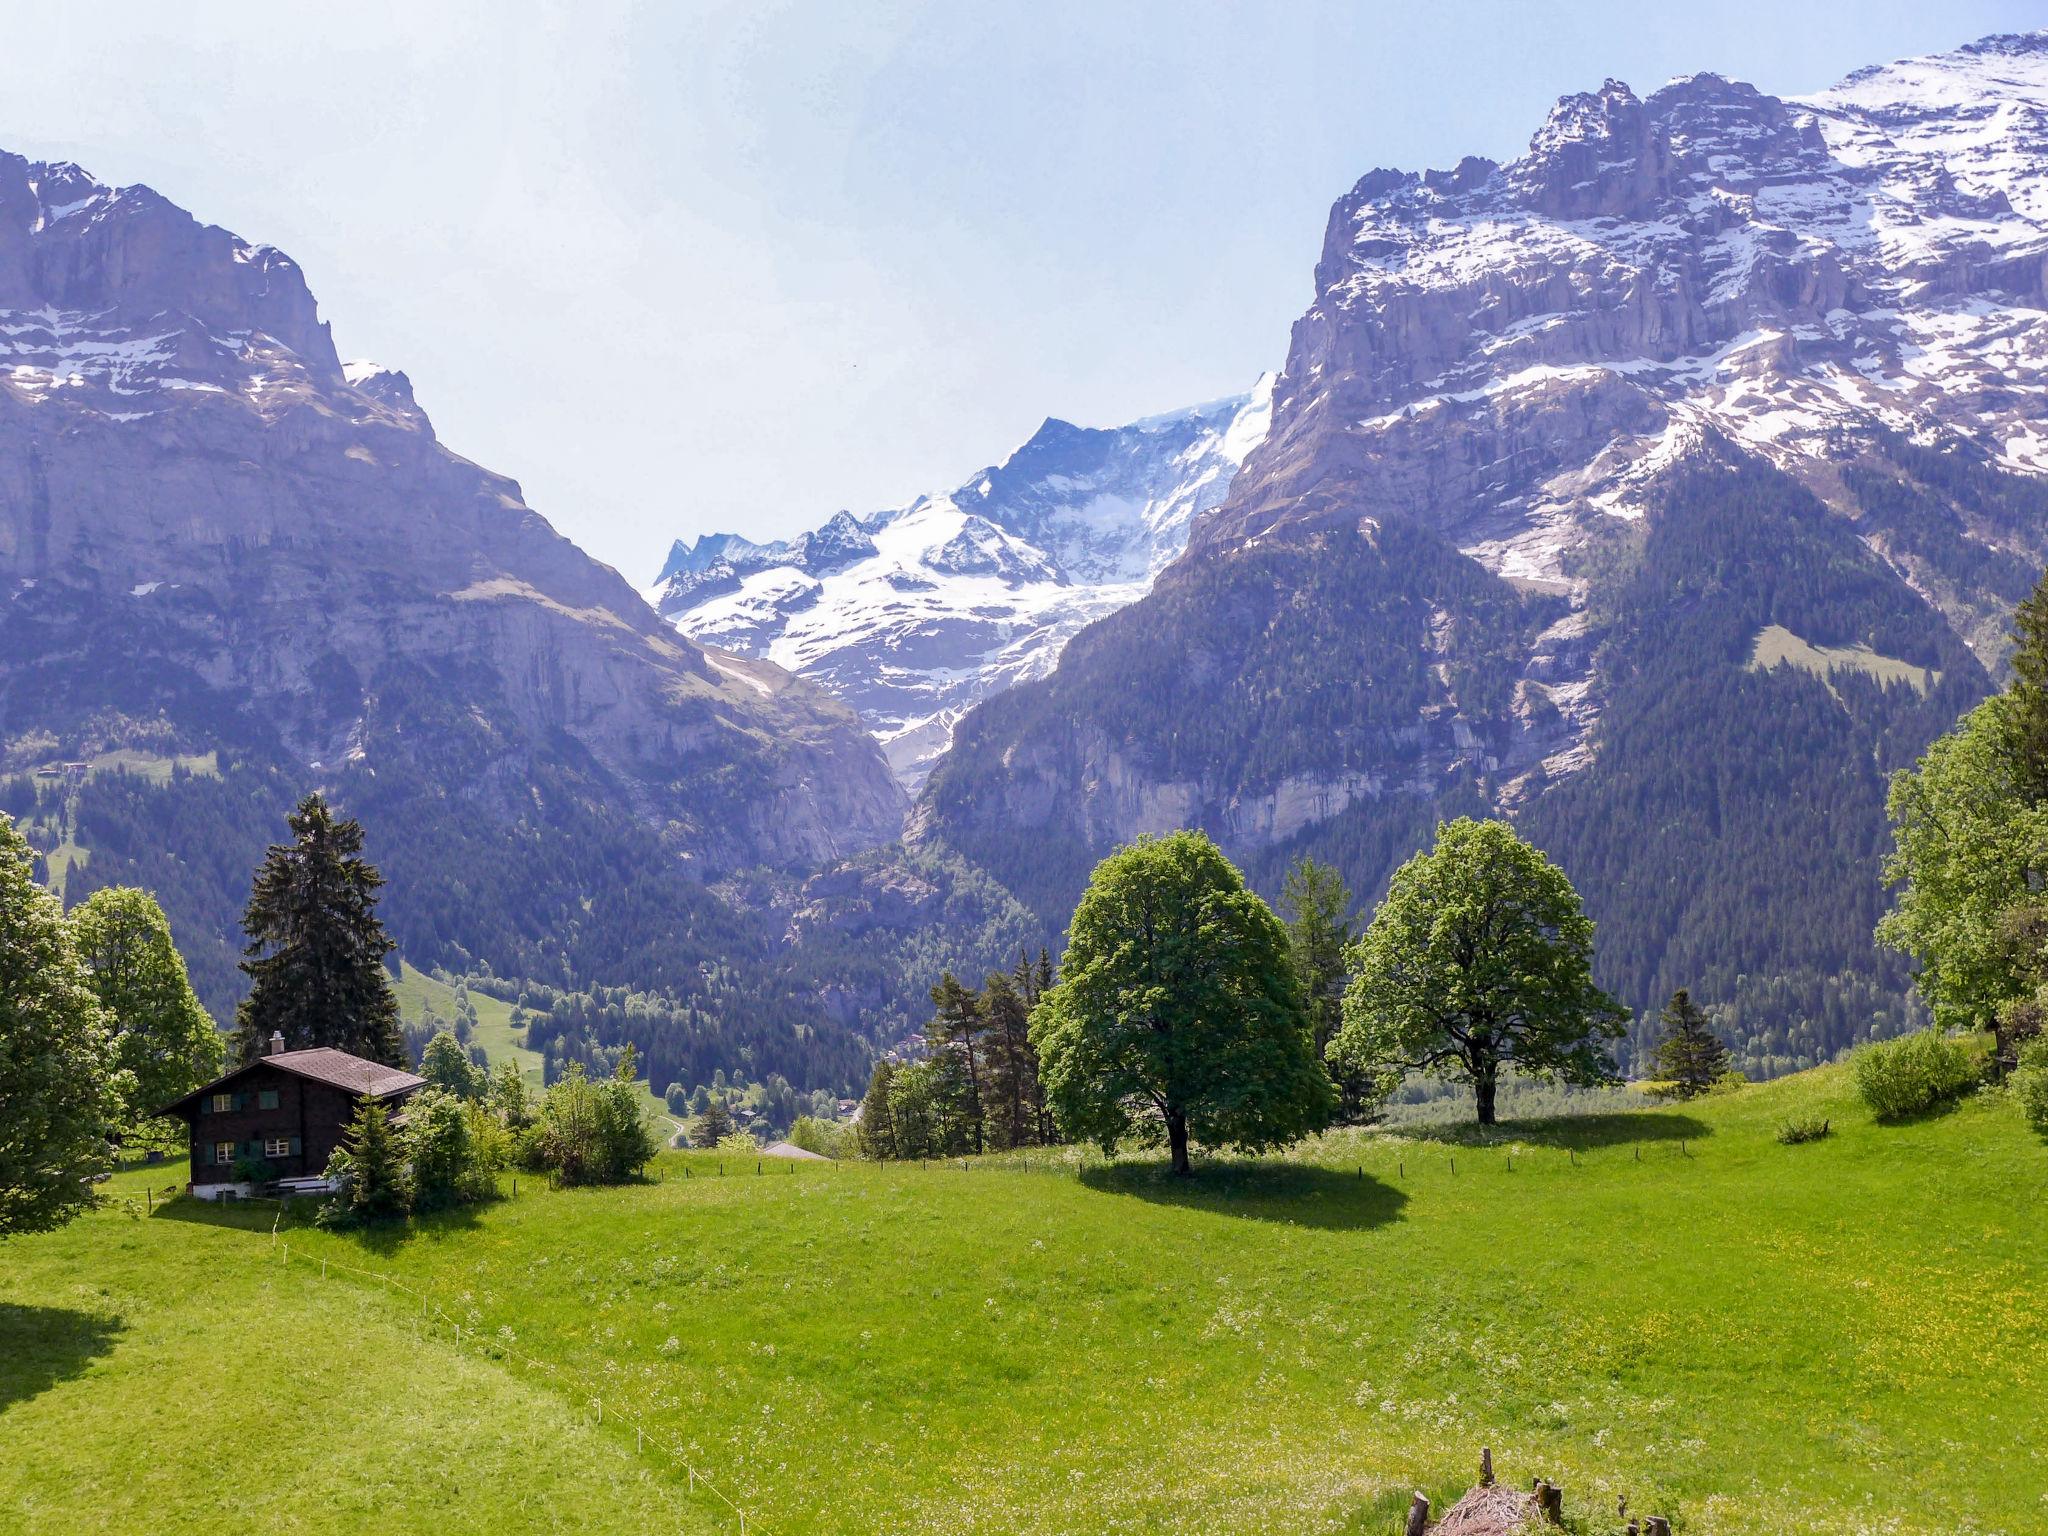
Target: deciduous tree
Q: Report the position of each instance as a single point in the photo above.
(1178, 1015)
(1480, 958)
(60, 1089)
(165, 1041)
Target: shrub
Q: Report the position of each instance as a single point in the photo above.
(823, 1137)
(1913, 1073)
(1808, 1128)
(594, 1132)
(256, 1171)
(2030, 1083)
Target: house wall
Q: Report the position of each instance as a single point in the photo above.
(316, 1114)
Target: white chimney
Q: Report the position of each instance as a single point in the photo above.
(276, 1042)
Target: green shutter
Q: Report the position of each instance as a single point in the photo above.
(295, 1146)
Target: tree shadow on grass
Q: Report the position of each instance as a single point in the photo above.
(261, 1216)
(41, 1346)
(1584, 1132)
(1300, 1193)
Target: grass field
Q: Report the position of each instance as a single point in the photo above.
(1775, 644)
(1846, 1336)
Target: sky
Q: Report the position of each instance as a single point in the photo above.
(702, 267)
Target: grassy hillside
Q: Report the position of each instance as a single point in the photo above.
(1846, 1335)
(420, 994)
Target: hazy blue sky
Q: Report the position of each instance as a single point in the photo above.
(702, 266)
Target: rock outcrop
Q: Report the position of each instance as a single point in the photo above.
(207, 519)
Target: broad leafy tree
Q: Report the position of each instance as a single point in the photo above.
(446, 1065)
(60, 1088)
(166, 1042)
(1691, 1056)
(316, 949)
(1479, 959)
(1179, 1015)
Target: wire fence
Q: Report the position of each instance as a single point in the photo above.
(433, 1315)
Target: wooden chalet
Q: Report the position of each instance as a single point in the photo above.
(289, 1109)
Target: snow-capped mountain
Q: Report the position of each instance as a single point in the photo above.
(915, 614)
(1662, 488)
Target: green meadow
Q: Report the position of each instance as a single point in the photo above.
(1849, 1335)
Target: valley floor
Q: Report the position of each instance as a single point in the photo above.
(1850, 1335)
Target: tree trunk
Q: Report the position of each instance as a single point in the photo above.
(1482, 1095)
(1177, 1139)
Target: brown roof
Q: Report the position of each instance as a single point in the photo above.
(323, 1064)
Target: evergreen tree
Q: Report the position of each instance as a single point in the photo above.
(1479, 958)
(316, 950)
(1179, 1016)
(1318, 904)
(1690, 1055)
(713, 1126)
(1014, 1095)
(60, 1089)
(163, 1039)
(956, 1031)
(2027, 720)
(370, 1165)
(877, 1122)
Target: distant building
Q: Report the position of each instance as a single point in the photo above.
(288, 1109)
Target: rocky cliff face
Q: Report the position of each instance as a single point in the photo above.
(209, 526)
(1563, 449)
(915, 614)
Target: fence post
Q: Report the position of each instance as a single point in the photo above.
(1418, 1516)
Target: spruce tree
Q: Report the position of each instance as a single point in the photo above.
(877, 1118)
(376, 1184)
(956, 1032)
(316, 949)
(1690, 1055)
(1318, 903)
(1012, 1065)
(2028, 717)
(713, 1126)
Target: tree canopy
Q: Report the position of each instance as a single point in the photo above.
(1480, 958)
(1179, 1015)
(316, 949)
(60, 1088)
(163, 1039)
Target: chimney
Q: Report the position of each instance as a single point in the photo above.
(276, 1043)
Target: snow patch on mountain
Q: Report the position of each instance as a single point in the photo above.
(915, 614)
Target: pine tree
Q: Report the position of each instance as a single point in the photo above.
(316, 949)
(877, 1119)
(956, 1057)
(1690, 1055)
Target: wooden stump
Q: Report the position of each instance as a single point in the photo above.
(1418, 1516)
(1486, 1466)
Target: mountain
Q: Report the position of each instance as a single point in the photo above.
(915, 614)
(233, 562)
(1662, 489)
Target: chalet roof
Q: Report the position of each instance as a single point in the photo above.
(322, 1064)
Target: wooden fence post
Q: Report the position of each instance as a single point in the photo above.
(1486, 1466)
(1418, 1516)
